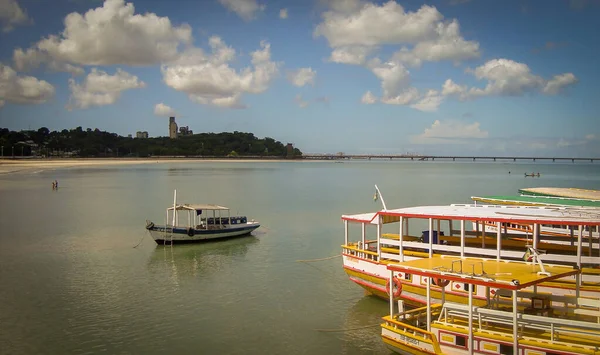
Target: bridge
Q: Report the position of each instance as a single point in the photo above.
(438, 157)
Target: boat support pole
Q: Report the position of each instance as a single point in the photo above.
(401, 239)
(516, 326)
(462, 238)
(499, 240)
(391, 293)
(345, 232)
(430, 237)
(470, 319)
(429, 304)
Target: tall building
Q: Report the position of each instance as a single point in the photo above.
(172, 128)
(140, 134)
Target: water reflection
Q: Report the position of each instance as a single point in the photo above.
(202, 259)
(362, 325)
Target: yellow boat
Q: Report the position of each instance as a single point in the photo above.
(398, 235)
(510, 321)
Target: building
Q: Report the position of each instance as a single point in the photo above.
(185, 131)
(140, 134)
(289, 150)
(172, 128)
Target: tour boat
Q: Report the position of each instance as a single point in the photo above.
(569, 192)
(404, 234)
(204, 222)
(510, 321)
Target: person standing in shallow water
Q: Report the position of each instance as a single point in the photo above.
(56, 184)
(53, 185)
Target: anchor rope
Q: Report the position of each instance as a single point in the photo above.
(347, 329)
(141, 240)
(321, 259)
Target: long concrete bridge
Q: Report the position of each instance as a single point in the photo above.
(439, 157)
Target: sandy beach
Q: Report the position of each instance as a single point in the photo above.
(10, 166)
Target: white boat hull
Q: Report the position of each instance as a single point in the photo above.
(166, 235)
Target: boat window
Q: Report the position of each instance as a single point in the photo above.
(467, 287)
(508, 349)
(461, 340)
(407, 277)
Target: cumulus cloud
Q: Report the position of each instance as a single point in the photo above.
(555, 85)
(246, 9)
(109, 35)
(283, 13)
(302, 76)
(22, 89)
(100, 88)
(368, 98)
(300, 101)
(163, 110)
(356, 29)
(350, 55)
(450, 131)
(350, 24)
(208, 79)
(11, 15)
(506, 77)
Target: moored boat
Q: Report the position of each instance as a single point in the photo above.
(511, 321)
(204, 222)
(569, 192)
(366, 257)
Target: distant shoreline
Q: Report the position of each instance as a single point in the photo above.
(11, 166)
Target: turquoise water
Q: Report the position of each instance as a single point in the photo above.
(72, 281)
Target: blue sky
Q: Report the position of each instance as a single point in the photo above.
(438, 77)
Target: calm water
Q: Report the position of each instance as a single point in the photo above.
(71, 281)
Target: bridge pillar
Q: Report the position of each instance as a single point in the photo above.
(411, 158)
(553, 160)
(494, 159)
(454, 159)
(473, 159)
(572, 160)
(533, 159)
(369, 158)
(432, 158)
(514, 159)
(591, 160)
(390, 158)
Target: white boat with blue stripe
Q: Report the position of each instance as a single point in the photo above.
(204, 222)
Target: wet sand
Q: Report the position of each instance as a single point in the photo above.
(10, 166)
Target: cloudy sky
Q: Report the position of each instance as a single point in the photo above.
(440, 77)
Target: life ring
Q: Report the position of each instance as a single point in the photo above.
(397, 287)
(440, 282)
(190, 232)
(149, 225)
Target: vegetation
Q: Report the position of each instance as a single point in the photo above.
(95, 143)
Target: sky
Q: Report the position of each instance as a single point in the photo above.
(479, 77)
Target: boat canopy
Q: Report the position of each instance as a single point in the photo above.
(504, 274)
(530, 200)
(370, 218)
(198, 207)
(492, 213)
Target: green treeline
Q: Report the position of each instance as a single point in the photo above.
(95, 143)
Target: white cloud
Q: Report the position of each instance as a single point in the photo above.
(109, 35)
(343, 6)
(11, 15)
(450, 131)
(300, 102)
(554, 85)
(246, 9)
(23, 89)
(368, 98)
(302, 76)
(448, 44)
(100, 88)
(208, 79)
(506, 77)
(163, 110)
(429, 102)
(283, 13)
(350, 55)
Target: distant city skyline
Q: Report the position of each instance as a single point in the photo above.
(456, 77)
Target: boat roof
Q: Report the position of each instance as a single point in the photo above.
(529, 200)
(505, 274)
(491, 213)
(198, 207)
(568, 192)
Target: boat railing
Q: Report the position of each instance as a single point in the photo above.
(526, 323)
(399, 323)
(353, 249)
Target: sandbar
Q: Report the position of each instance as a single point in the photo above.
(11, 166)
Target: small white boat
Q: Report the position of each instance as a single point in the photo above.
(204, 222)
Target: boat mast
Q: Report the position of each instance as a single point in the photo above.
(381, 197)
